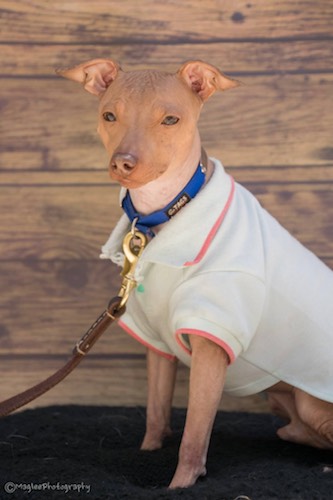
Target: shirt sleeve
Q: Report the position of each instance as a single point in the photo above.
(225, 307)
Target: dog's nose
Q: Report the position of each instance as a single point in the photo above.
(123, 163)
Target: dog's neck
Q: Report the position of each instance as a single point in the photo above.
(159, 193)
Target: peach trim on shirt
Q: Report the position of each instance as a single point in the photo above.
(214, 229)
(209, 336)
(139, 339)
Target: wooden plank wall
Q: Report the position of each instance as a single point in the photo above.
(57, 205)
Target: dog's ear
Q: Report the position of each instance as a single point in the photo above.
(204, 79)
(95, 75)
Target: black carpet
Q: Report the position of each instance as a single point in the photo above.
(70, 452)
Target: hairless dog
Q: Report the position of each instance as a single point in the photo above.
(222, 287)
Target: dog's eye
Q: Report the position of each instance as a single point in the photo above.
(170, 120)
(109, 117)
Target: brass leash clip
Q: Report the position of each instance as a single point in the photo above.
(133, 245)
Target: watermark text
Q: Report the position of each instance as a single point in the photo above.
(11, 487)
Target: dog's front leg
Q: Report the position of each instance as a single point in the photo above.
(161, 383)
(208, 368)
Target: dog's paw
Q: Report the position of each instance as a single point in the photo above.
(154, 441)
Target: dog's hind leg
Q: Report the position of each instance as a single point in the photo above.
(310, 419)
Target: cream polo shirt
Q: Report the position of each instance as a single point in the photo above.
(224, 269)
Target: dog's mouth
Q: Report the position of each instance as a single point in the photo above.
(128, 182)
(133, 180)
(131, 184)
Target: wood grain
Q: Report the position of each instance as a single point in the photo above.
(73, 222)
(46, 308)
(237, 59)
(99, 177)
(101, 382)
(58, 205)
(111, 21)
(53, 222)
(265, 122)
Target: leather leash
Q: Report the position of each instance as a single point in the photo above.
(133, 246)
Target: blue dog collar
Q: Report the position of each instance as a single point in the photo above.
(144, 223)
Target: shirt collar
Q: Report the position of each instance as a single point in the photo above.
(185, 239)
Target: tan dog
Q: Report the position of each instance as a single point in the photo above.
(148, 124)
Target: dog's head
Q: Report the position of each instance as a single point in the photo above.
(148, 119)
